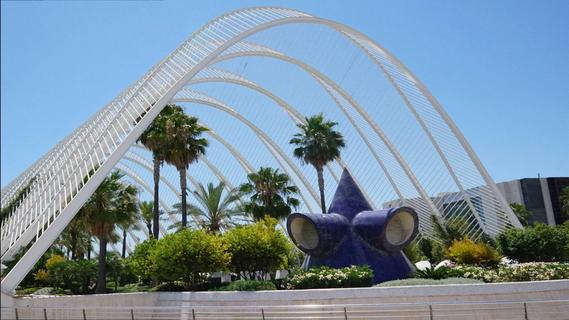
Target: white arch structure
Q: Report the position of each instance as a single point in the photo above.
(49, 193)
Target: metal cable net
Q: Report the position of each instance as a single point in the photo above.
(251, 76)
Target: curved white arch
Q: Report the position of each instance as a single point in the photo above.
(68, 174)
(187, 95)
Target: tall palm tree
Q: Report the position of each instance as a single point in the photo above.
(318, 143)
(103, 212)
(156, 140)
(185, 147)
(271, 193)
(127, 202)
(216, 207)
(147, 214)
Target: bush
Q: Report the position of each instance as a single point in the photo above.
(325, 277)
(140, 262)
(535, 271)
(248, 285)
(78, 276)
(170, 286)
(258, 250)
(538, 243)
(466, 251)
(433, 273)
(426, 282)
(188, 256)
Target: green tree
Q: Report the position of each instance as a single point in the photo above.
(184, 147)
(147, 214)
(156, 139)
(215, 210)
(564, 199)
(318, 143)
(258, 250)
(539, 242)
(140, 261)
(127, 202)
(76, 237)
(188, 256)
(271, 193)
(522, 213)
(103, 213)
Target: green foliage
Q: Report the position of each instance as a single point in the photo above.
(535, 271)
(522, 213)
(325, 277)
(248, 285)
(466, 251)
(78, 276)
(427, 282)
(258, 249)
(413, 252)
(216, 208)
(452, 229)
(140, 262)
(537, 243)
(318, 143)
(271, 193)
(13, 204)
(439, 273)
(433, 251)
(188, 256)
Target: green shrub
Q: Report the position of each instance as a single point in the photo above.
(433, 273)
(538, 243)
(426, 282)
(413, 252)
(78, 276)
(188, 256)
(258, 250)
(325, 277)
(535, 271)
(433, 251)
(140, 262)
(248, 285)
(466, 251)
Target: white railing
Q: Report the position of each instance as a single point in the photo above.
(528, 310)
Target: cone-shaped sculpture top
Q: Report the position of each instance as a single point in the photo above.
(348, 199)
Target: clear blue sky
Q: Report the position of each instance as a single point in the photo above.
(500, 68)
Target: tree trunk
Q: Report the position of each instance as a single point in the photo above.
(184, 194)
(73, 245)
(89, 250)
(123, 255)
(102, 278)
(320, 172)
(155, 208)
(149, 226)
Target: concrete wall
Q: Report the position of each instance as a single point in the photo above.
(511, 295)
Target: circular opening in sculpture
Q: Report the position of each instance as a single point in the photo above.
(400, 228)
(304, 233)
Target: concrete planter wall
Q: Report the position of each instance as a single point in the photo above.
(462, 296)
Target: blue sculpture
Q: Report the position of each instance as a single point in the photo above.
(353, 234)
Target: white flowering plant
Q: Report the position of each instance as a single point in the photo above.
(532, 271)
(325, 277)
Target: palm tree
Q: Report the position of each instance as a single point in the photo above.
(76, 238)
(564, 199)
(318, 143)
(156, 140)
(185, 147)
(215, 209)
(147, 214)
(127, 202)
(271, 193)
(103, 212)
